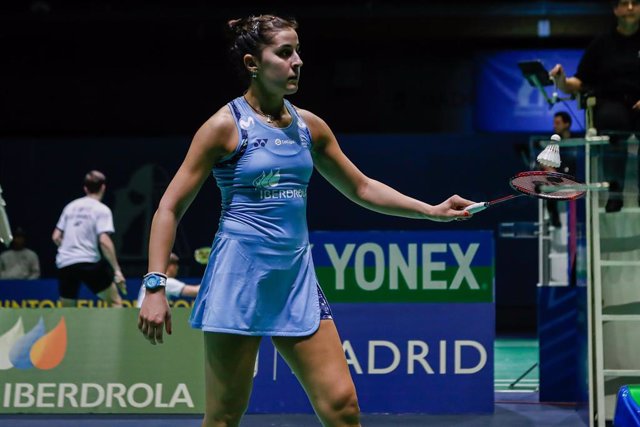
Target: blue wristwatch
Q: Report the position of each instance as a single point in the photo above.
(153, 281)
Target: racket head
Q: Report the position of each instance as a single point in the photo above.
(530, 183)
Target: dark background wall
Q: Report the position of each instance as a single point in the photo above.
(123, 85)
(110, 67)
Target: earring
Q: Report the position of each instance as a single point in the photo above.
(254, 74)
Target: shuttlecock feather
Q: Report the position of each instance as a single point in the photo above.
(550, 156)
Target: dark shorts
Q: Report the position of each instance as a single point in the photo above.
(325, 310)
(97, 276)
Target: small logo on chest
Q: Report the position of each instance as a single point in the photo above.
(260, 142)
(279, 141)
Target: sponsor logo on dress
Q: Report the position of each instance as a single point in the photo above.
(260, 142)
(304, 141)
(279, 142)
(267, 180)
(266, 183)
(247, 123)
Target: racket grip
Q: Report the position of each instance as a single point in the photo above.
(477, 207)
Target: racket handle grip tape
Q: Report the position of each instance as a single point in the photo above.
(477, 207)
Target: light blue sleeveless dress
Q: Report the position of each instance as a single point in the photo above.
(260, 278)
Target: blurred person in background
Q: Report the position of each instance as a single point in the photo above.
(610, 70)
(19, 262)
(86, 253)
(175, 288)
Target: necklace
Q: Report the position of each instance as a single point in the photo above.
(270, 118)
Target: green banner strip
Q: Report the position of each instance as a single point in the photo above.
(448, 285)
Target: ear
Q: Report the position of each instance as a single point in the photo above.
(250, 63)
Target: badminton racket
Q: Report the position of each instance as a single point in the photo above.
(539, 184)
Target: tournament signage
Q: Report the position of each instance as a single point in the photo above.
(405, 266)
(74, 360)
(404, 358)
(409, 349)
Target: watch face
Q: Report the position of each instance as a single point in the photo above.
(152, 282)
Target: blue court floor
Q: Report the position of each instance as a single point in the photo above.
(516, 405)
(512, 409)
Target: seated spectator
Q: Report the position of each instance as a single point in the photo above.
(175, 288)
(19, 262)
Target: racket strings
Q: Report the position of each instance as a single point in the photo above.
(542, 184)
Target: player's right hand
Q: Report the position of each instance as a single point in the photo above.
(558, 73)
(154, 315)
(120, 281)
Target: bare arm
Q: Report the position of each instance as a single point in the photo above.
(216, 138)
(570, 85)
(109, 251)
(336, 168)
(190, 291)
(56, 236)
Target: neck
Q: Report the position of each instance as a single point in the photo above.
(266, 105)
(627, 29)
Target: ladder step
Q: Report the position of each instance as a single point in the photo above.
(621, 372)
(625, 209)
(631, 309)
(619, 263)
(621, 317)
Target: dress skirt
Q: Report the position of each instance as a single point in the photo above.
(255, 286)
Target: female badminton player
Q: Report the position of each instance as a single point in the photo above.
(260, 279)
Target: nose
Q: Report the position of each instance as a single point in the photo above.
(297, 61)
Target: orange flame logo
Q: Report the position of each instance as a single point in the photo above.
(35, 349)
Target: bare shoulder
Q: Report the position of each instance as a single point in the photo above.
(218, 133)
(319, 129)
(310, 118)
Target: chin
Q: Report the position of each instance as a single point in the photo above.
(291, 90)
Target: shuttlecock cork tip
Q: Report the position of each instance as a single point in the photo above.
(555, 137)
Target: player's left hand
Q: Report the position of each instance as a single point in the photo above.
(452, 209)
(636, 106)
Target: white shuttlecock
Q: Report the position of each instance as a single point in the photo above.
(550, 156)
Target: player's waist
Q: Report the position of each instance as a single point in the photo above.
(278, 240)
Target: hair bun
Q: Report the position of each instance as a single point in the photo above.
(235, 26)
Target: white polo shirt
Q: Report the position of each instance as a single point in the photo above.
(82, 221)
